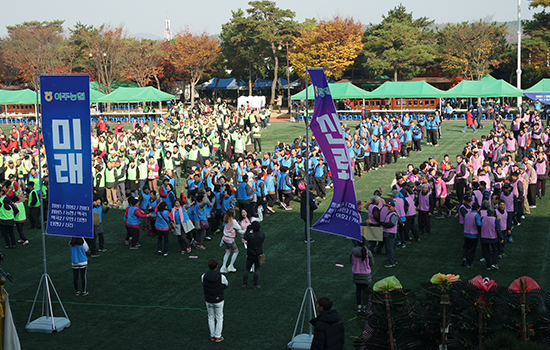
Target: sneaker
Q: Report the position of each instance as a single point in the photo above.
(207, 238)
(219, 340)
(160, 252)
(463, 263)
(20, 241)
(510, 239)
(469, 266)
(77, 293)
(183, 251)
(518, 224)
(257, 286)
(288, 208)
(213, 338)
(403, 245)
(102, 250)
(95, 255)
(500, 256)
(327, 187)
(283, 205)
(523, 217)
(494, 267)
(134, 247)
(224, 270)
(310, 241)
(200, 246)
(26, 242)
(482, 260)
(231, 269)
(440, 217)
(389, 265)
(188, 250)
(449, 214)
(532, 206)
(165, 254)
(85, 293)
(127, 242)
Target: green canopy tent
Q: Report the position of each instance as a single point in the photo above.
(540, 91)
(144, 94)
(483, 88)
(337, 90)
(17, 97)
(406, 89)
(95, 96)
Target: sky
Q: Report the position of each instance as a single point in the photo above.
(145, 16)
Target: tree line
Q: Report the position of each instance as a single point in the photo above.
(256, 43)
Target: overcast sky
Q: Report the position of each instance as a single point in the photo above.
(146, 16)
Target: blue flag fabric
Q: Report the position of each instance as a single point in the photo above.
(65, 102)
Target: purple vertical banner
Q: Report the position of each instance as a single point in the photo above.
(65, 103)
(342, 216)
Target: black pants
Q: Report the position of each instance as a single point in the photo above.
(490, 253)
(19, 226)
(432, 136)
(409, 227)
(532, 191)
(541, 187)
(375, 158)
(319, 187)
(361, 293)
(418, 145)
(92, 244)
(460, 188)
(519, 210)
(271, 199)
(424, 221)
(258, 141)
(134, 231)
(183, 241)
(9, 236)
(82, 272)
(34, 217)
(162, 235)
(251, 260)
(469, 250)
(288, 197)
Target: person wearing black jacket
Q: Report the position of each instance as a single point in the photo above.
(328, 332)
(255, 241)
(303, 209)
(214, 284)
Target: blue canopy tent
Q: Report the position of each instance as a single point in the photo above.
(222, 84)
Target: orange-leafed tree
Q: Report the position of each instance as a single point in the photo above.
(333, 44)
(143, 61)
(194, 55)
(37, 47)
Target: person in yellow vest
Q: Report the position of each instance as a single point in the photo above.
(8, 211)
(257, 135)
(193, 156)
(33, 203)
(132, 181)
(20, 219)
(110, 184)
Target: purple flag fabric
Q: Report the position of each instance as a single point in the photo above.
(342, 216)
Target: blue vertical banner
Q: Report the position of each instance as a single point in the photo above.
(65, 102)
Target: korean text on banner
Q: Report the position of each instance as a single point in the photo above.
(65, 101)
(342, 216)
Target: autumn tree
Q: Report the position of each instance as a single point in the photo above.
(399, 44)
(472, 49)
(37, 47)
(143, 61)
(536, 46)
(333, 44)
(194, 54)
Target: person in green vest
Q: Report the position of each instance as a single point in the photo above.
(99, 181)
(110, 184)
(216, 145)
(192, 157)
(120, 182)
(132, 181)
(8, 211)
(257, 135)
(33, 203)
(20, 219)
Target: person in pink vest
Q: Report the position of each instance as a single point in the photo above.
(491, 237)
(389, 220)
(362, 262)
(472, 224)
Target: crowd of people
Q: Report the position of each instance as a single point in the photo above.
(203, 173)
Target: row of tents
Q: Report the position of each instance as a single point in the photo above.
(488, 87)
(120, 95)
(234, 84)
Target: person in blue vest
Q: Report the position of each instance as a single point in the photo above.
(375, 152)
(287, 188)
(319, 178)
(98, 210)
(79, 263)
(244, 193)
(270, 189)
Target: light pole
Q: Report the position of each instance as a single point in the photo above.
(519, 53)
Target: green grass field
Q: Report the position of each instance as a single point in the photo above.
(140, 300)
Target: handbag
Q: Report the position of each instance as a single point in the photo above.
(261, 259)
(205, 224)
